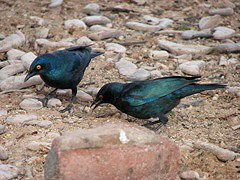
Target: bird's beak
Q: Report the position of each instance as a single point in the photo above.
(29, 75)
(96, 102)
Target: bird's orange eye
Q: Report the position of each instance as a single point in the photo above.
(38, 67)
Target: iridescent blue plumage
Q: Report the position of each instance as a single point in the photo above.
(63, 69)
(153, 98)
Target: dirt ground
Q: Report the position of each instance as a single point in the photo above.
(211, 120)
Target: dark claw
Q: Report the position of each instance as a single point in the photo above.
(68, 108)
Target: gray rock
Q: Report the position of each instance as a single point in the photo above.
(94, 20)
(156, 74)
(192, 67)
(55, 3)
(54, 102)
(97, 28)
(190, 175)
(151, 20)
(64, 43)
(84, 41)
(3, 153)
(42, 33)
(105, 34)
(125, 67)
(27, 59)
(75, 24)
(222, 11)
(210, 22)
(180, 49)
(37, 20)
(11, 70)
(84, 96)
(227, 3)
(227, 48)
(191, 34)
(226, 62)
(223, 33)
(35, 145)
(2, 129)
(2, 36)
(31, 104)
(20, 119)
(92, 8)
(8, 171)
(43, 123)
(115, 47)
(143, 27)
(234, 90)
(3, 112)
(139, 2)
(92, 90)
(12, 41)
(158, 55)
(15, 54)
(140, 75)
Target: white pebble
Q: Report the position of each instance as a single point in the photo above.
(14, 54)
(31, 104)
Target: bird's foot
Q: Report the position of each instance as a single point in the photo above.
(44, 101)
(68, 108)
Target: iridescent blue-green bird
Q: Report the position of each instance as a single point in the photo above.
(62, 69)
(151, 98)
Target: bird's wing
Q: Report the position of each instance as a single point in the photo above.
(139, 93)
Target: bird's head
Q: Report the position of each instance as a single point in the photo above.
(39, 66)
(107, 94)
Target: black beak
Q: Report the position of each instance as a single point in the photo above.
(29, 75)
(96, 102)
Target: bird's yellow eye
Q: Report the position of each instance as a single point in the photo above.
(38, 67)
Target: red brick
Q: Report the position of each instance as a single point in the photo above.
(99, 153)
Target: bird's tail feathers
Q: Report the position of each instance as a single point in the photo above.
(197, 88)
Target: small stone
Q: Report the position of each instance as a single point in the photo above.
(54, 102)
(227, 62)
(20, 119)
(180, 49)
(139, 2)
(190, 175)
(234, 90)
(3, 112)
(27, 59)
(3, 153)
(227, 48)
(75, 24)
(92, 8)
(115, 47)
(55, 3)
(14, 54)
(8, 171)
(140, 75)
(11, 70)
(2, 129)
(236, 127)
(2, 36)
(151, 20)
(43, 123)
(37, 20)
(97, 28)
(222, 11)
(35, 145)
(105, 34)
(191, 34)
(210, 22)
(84, 96)
(156, 74)
(12, 41)
(192, 67)
(31, 104)
(125, 67)
(94, 20)
(84, 41)
(227, 3)
(92, 90)
(142, 27)
(156, 55)
(42, 33)
(51, 44)
(223, 33)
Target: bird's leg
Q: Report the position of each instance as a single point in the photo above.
(47, 97)
(70, 105)
(162, 119)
